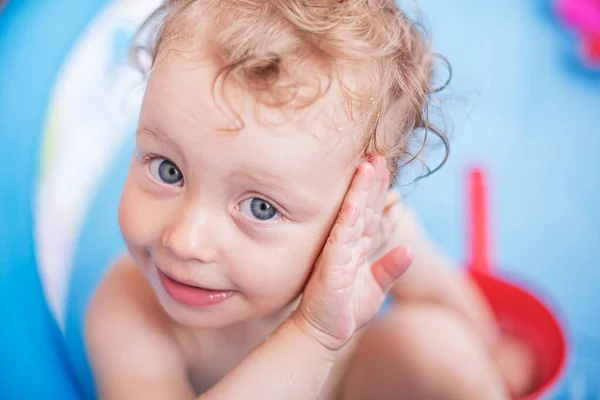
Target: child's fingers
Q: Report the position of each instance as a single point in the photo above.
(392, 198)
(336, 251)
(343, 234)
(374, 189)
(374, 225)
(363, 246)
(357, 195)
(375, 196)
(362, 197)
(389, 268)
(383, 189)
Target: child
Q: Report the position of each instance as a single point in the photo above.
(260, 231)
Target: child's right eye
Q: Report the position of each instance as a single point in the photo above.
(165, 171)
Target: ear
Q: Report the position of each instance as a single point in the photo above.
(392, 198)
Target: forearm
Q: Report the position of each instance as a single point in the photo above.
(288, 365)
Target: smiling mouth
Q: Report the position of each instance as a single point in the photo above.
(192, 296)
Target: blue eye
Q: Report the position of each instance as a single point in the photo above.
(259, 209)
(165, 171)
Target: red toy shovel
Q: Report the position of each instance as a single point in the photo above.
(519, 312)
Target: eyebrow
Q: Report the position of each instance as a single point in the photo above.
(275, 183)
(158, 134)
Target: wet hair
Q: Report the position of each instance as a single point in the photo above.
(381, 59)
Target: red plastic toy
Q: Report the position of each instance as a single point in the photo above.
(519, 312)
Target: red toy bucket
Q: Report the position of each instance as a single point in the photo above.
(519, 313)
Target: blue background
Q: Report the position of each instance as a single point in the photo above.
(520, 104)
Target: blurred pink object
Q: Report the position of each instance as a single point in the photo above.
(583, 16)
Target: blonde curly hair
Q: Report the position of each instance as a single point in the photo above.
(260, 44)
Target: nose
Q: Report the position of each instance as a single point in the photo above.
(189, 235)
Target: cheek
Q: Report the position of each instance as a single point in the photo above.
(139, 217)
(275, 274)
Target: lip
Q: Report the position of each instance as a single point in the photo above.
(190, 295)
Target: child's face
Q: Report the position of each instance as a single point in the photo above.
(243, 213)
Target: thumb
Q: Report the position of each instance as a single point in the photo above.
(389, 267)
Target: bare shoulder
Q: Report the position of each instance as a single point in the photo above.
(129, 341)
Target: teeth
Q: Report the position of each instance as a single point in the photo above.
(220, 296)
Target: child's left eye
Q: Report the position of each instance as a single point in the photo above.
(259, 209)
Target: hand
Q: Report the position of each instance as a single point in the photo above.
(345, 291)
